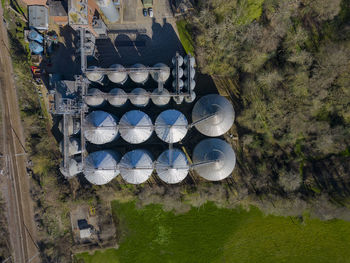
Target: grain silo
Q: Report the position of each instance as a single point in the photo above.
(172, 166)
(101, 167)
(73, 125)
(180, 73)
(72, 168)
(160, 98)
(100, 127)
(94, 97)
(191, 61)
(180, 60)
(139, 97)
(74, 146)
(117, 97)
(213, 159)
(190, 98)
(136, 166)
(93, 75)
(139, 73)
(192, 85)
(118, 75)
(163, 74)
(213, 115)
(181, 83)
(171, 126)
(135, 127)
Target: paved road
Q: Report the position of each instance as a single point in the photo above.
(19, 203)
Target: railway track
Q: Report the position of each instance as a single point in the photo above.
(20, 208)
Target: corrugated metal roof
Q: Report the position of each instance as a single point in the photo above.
(38, 17)
(171, 126)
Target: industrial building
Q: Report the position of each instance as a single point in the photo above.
(136, 121)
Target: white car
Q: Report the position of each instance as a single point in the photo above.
(150, 12)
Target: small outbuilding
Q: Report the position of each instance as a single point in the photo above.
(38, 17)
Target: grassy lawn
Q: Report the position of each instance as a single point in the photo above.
(211, 234)
(185, 36)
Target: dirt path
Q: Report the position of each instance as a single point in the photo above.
(16, 188)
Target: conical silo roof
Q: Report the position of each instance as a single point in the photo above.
(136, 166)
(100, 127)
(190, 98)
(191, 59)
(181, 83)
(135, 127)
(171, 126)
(118, 76)
(140, 75)
(74, 146)
(139, 97)
(93, 75)
(73, 168)
(180, 72)
(117, 97)
(172, 166)
(160, 98)
(192, 85)
(163, 74)
(101, 167)
(216, 158)
(192, 73)
(94, 97)
(217, 115)
(180, 60)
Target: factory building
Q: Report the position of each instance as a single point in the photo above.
(141, 121)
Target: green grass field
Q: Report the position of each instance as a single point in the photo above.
(211, 234)
(185, 36)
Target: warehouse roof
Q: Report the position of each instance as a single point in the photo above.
(38, 17)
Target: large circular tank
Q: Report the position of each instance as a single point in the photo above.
(140, 75)
(93, 75)
(163, 74)
(180, 72)
(101, 167)
(100, 127)
(117, 97)
(171, 126)
(73, 168)
(217, 115)
(118, 76)
(215, 159)
(160, 98)
(94, 97)
(35, 47)
(73, 126)
(135, 127)
(172, 166)
(74, 146)
(35, 36)
(139, 97)
(136, 166)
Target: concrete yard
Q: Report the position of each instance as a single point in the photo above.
(147, 40)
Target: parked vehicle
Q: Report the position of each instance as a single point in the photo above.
(144, 12)
(150, 12)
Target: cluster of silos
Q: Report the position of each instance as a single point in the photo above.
(117, 97)
(35, 42)
(136, 166)
(70, 126)
(138, 73)
(184, 67)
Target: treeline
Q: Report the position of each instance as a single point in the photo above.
(291, 60)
